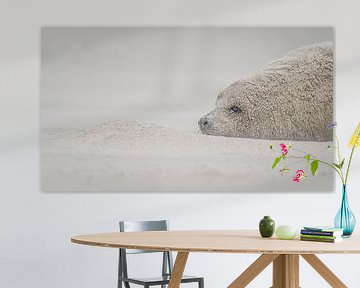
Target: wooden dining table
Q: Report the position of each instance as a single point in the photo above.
(283, 254)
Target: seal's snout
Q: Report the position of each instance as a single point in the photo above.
(203, 123)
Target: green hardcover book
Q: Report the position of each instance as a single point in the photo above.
(324, 240)
(319, 236)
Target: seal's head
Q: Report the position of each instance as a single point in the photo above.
(234, 113)
(290, 99)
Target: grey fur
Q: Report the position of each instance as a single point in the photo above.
(290, 99)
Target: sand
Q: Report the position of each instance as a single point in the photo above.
(126, 156)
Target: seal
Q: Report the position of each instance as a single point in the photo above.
(290, 99)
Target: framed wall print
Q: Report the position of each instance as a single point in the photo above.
(183, 109)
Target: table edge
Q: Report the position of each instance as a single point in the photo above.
(203, 250)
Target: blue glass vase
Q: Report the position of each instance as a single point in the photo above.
(345, 219)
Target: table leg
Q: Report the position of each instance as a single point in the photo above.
(286, 271)
(178, 269)
(254, 269)
(324, 271)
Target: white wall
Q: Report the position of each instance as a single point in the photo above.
(35, 228)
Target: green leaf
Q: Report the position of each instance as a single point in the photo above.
(276, 162)
(339, 165)
(307, 157)
(271, 146)
(336, 165)
(342, 163)
(314, 166)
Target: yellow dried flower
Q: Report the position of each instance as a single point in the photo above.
(355, 138)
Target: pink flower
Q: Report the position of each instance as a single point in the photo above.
(284, 149)
(300, 174)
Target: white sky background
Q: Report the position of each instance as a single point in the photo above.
(166, 76)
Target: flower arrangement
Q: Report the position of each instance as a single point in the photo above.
(313, 162)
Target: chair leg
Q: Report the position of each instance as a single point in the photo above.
(120, 270)
(201, 283)
(164, 266)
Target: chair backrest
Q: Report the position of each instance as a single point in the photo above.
(137, 226)
(134, 226)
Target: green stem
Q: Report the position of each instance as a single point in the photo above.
(351, 155)
(323, 162)
(303, 152)
(339, 158)
(294, 163)
(338, 149)
(348, 167)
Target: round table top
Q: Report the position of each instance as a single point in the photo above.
(217, 241)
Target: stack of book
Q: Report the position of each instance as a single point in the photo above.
(321, 234)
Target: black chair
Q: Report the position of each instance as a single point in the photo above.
(167, 265)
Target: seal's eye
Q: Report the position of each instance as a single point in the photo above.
(235, 109)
